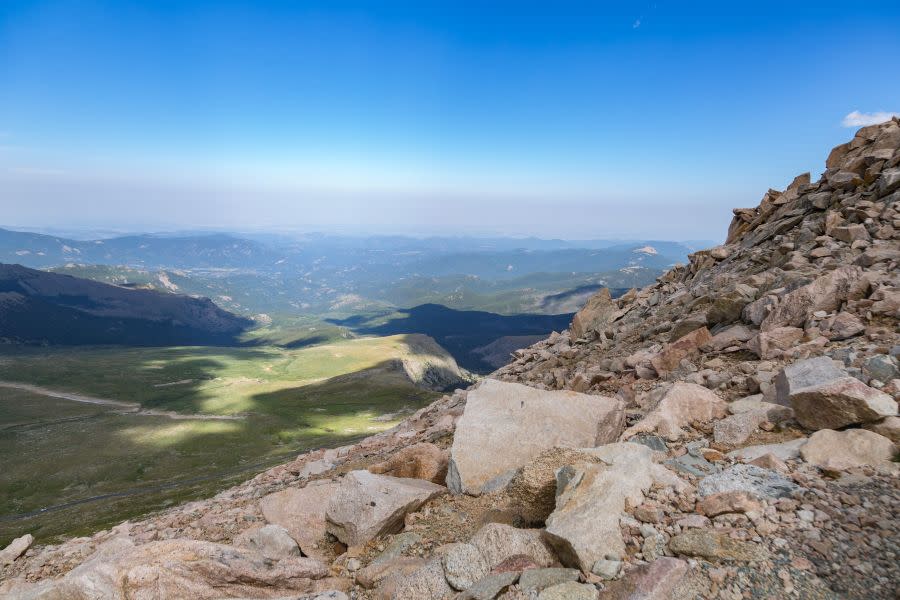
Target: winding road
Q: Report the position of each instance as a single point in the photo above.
(126, 407)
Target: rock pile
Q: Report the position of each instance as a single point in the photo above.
(728, 432)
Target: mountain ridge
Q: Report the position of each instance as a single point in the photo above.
(49, 308)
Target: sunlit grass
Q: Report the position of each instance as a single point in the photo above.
(54, 451)
(175, 433)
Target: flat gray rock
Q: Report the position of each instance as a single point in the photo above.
(764, 483)
(805, 373)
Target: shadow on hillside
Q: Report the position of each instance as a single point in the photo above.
(306, 342)
(458, 331)
(128, 465)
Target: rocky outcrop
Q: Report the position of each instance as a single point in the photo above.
(596, 314)
(505, 425)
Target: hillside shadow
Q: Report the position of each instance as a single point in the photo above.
(460, 332)
(305, 342)
(82, 476)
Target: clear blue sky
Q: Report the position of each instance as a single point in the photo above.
(567, 119)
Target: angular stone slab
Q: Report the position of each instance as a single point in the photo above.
(804, 373)
(841, 402)
(301, 511)
(505, 425)
(367, 505)
(592, 498)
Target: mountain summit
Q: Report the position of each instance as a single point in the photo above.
(727, 431)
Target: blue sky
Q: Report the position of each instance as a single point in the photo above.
(566, 119)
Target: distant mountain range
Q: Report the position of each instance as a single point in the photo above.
(341, 276)
(37, 307)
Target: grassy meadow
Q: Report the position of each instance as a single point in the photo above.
(55, 454)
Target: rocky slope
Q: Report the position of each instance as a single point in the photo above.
(728, 432)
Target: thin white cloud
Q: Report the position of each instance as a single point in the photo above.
(860, 119)
(636, 24)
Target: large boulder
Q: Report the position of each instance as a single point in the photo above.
(301, 511)
(592, 498)
(681, 404)
(840, 402)
(367, 505)
(824, 396)
(826, 293)
(840, 450)
(505, 425)
(805, 373)
(419, 461)
(179, 568)
(596, 314)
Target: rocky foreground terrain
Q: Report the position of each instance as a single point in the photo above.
(728, 432)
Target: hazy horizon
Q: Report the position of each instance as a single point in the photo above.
(578, 122)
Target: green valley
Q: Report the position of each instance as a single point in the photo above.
(79, 466)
